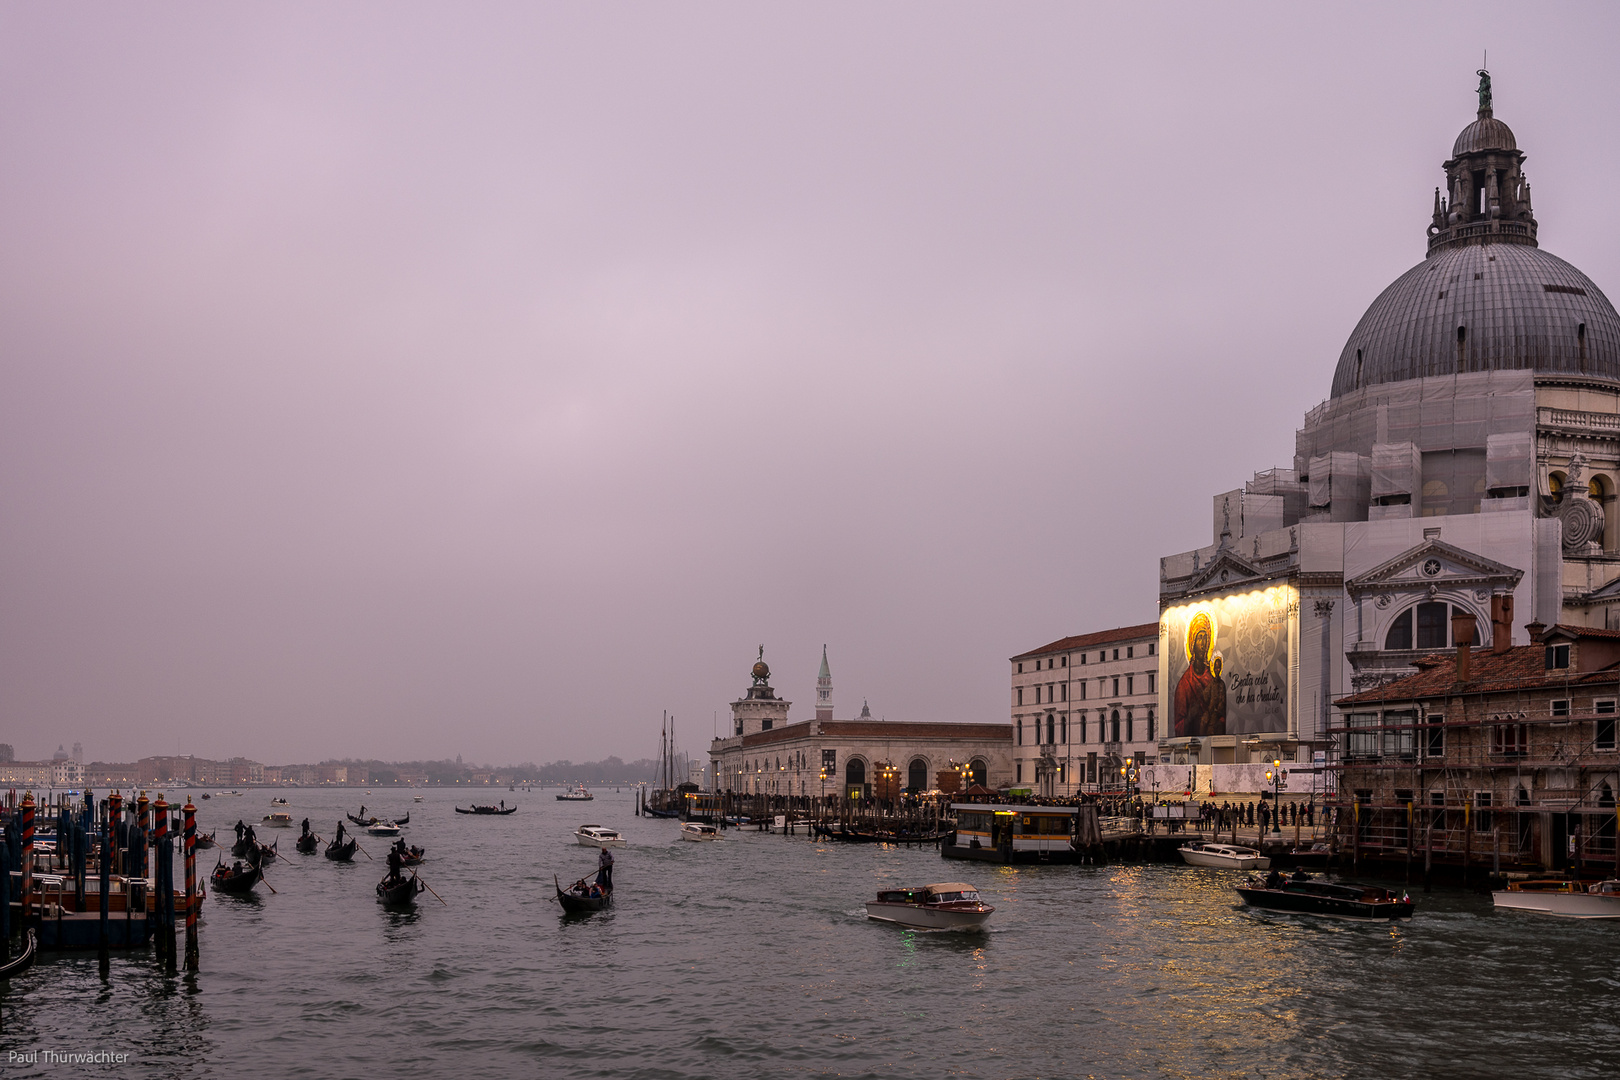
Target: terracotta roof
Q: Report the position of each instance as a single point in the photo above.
(1580, 632)
(782, 734)
(1101, 637)
(1523, 667)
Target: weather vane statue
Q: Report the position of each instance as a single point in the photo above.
(1484, 91)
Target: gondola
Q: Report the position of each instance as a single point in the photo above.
(307, 843)
(577, 899)
(361, 821)
(206, 841)
(406, 820)
(400, 893)
(342, 852)
(236, 882)
(486, 810)
(261, 855)
(415, 856)
(24, 960)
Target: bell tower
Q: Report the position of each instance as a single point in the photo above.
(824, 703)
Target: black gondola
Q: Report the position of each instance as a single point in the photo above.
(361, 821)
(399, 891)
(24, 960)
(342, 852)
(236, 880)
(487, 810)
(414, 856)
(581, 898)
(206, 840)
(307, 843)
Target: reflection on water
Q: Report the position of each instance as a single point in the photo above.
(753, 957)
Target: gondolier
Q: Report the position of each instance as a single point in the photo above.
(604, 869)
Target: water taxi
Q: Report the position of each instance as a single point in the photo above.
(1226, 856)
(278, 819)
(1303, 895)
(699, 830)
(1007, 833)
(949, 905)
(596, 836)
(278, 801)
(1562, 897)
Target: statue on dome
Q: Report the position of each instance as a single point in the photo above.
(1484, 91)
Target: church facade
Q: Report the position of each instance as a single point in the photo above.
(1465, 464)
(766, 754)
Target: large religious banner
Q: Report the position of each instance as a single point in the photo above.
(1226, 663)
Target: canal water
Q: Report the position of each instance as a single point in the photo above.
(753, 958)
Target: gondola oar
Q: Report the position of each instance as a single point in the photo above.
(267, 884)
(428, 887)
(363, 851)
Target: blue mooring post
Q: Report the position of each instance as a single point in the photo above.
(106, 883)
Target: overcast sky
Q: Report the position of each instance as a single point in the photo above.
(404, 380)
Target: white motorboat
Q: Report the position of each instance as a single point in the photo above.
(416, 798)
(577, 793)
(278, 801)
(280, 819)
(383, 828)
(596, 836)
(699, 830)
(950, 905)
(1226, 856)
(1558, 896)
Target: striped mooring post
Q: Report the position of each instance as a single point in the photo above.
(27, 853)
(140, 844)
(191, 885)
(160, 888)
(115, 803)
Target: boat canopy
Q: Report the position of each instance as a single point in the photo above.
(1018, 808)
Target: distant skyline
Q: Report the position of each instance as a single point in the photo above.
(404, 381)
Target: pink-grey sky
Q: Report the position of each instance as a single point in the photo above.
(403, 380)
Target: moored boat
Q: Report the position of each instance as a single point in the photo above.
(598, 837)
(1226, 856)
(1562, 897)
(23, 960)
(582, 897)
(699, 830)
(1304, 895)
(950, 905)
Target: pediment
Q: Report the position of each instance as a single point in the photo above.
(1435, 563)
(1226, 568)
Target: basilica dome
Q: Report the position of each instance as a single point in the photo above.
(1487, 298)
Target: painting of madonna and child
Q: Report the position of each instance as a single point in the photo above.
(1226, 663)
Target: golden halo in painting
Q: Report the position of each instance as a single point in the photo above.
(1202, 619)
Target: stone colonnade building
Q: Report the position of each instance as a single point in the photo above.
(1465, 464)
(766, 754)
(1084, 707)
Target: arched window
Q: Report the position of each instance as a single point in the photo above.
(1426, 626)
(917, 775)
(1019, 726)
(1051, 728)
(978, 772)
(855, 772)
(1113, 727)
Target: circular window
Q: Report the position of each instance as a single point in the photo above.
(1431, 567)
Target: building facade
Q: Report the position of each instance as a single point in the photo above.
(1510, 761)
(1084, 708)
(1466, 460)
(766, 754)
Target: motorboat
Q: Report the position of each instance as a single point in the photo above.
(949, 905)
(1226, 856)
(383, 828)
(416, 798)
(699, 830)
(278, 819)
(278, 801)
(577, 793)
(1302, 894)
(598, 837)
(1562, 897)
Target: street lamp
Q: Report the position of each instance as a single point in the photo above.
(1274, 774)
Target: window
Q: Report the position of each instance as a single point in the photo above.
(1091, 768)
(1065, 727)
(1020, 669)
(1153, 733)
(1130, 684)
(1482, 812)
(1082, 658)
(1361, 741)
(1557, 657)
(1018, 728)
(1082, 691)
(1433, 626)
(1065, 662)
(1403, 817)
(1020, 695)
(1604, 735)
(1437, 810)
(1510, 740)
(1130, 651)
(1150, 648)
(1116, 654)
(1065, 687)
(1560, 707)
(829, 761)
(1434, 737)
(1153, 682)
(1051, 728)
(1116, 686)
(1018, 771)
(764, 725)
(1113, 727)
(1400, 632)
(1400, 736)
(1130, 728)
